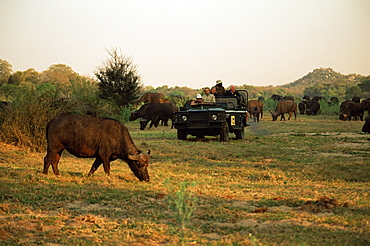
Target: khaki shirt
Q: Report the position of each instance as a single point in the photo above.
(209, 98)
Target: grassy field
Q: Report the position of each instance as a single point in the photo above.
(303, 182)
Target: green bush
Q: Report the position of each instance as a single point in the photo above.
(23, 122)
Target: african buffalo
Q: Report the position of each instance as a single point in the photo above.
(306, 97)
(318, 98)
(163, 100)
(156, 112)
(356, 99)
(277, 97)
(89, 137)
(288, 98)
(151, 97)
(302, 107)
(285, 107)
(254, 103)
(333, 101)
(312, 107)
(366, 126)
(366, 103)
(255, 112)
(355, 110)
(139, 113)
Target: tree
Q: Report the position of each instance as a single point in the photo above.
(365, 84)
(31, 75)
(316, 90)
(16, 78)
(353, 91)
(8, 91)
(57, 74)
(5, 71)
(118, 79)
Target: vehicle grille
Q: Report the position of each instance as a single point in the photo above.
(198, 120)
(198, 116)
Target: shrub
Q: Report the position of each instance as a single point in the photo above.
(23, 122)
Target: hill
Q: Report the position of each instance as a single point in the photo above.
(324, 76)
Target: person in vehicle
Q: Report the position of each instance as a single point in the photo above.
(213, 90)
(208, 97)
(234, 93)
(220, 90)
(198, 100)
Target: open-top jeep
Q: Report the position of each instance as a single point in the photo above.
(227, 115)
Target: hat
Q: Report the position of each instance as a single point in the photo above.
(218, 82)
(199, 96)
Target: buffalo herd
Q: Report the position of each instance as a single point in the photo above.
(157, 109)
(349, 109)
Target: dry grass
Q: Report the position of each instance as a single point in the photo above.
(303, 182)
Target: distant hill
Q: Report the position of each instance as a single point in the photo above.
(323, 76)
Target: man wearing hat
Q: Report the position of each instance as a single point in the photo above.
(197, 100)
(220, 90)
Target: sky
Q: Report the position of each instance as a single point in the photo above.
(190, 43)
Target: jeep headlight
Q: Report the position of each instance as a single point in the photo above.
(214, 117)
(184, 118)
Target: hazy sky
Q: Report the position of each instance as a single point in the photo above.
(191, 43)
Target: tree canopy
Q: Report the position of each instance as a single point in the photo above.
(118, 79)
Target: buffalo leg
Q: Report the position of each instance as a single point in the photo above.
(52, 159)
(95, 166)
(106, 165)
(290, 116)
(151, 124)
(156, 124)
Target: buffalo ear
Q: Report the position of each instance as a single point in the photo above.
(148, 152)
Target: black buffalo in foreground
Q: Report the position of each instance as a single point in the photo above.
(366, 127)
(89, 137)
(285, 107)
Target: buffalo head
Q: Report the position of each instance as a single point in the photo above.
(138, 164)
(274, 115)
(134, 115)
(143, 123)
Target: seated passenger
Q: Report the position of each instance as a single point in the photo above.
(213, 90)
(234, 93)
(198, 100)
(208, 97)
(220, 90)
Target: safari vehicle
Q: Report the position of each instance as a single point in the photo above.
(225, 116)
